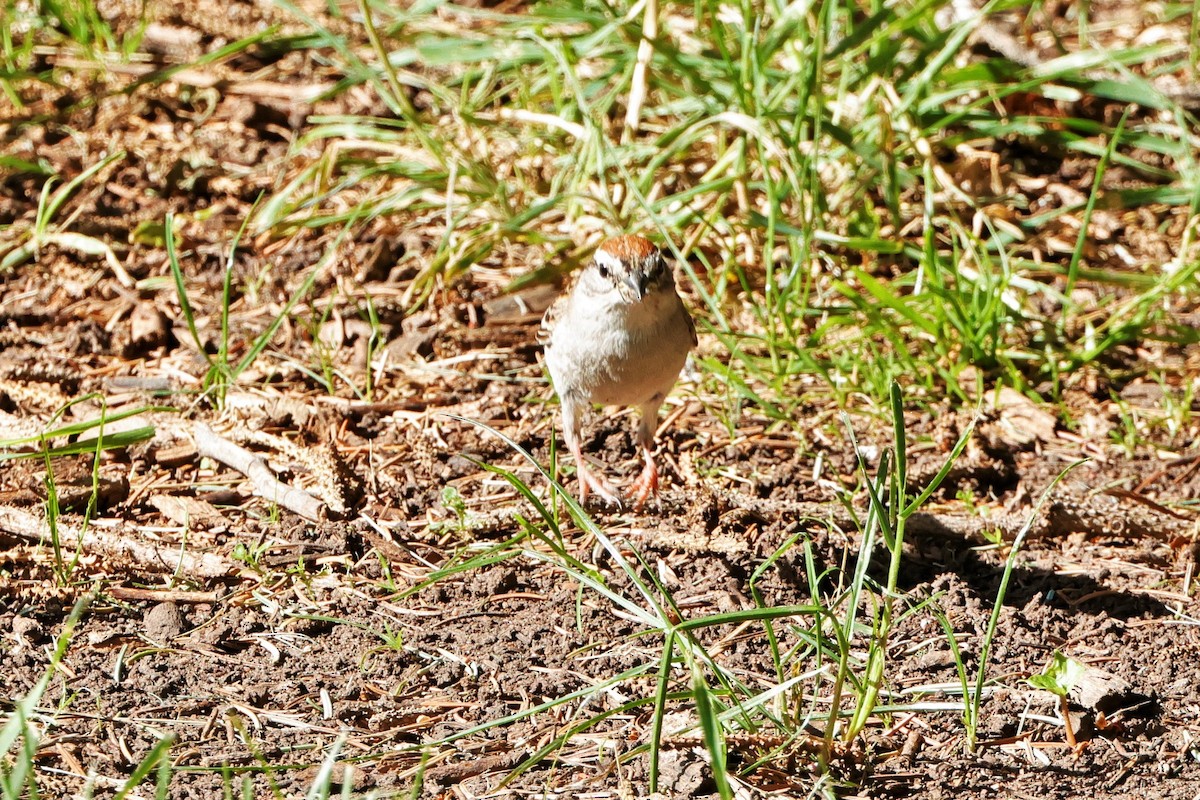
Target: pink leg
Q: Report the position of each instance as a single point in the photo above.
(588, 480)
(647, 483)
(572, 418)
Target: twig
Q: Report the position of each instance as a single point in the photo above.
(163, 558)
(449, 774)
(266, 485)
(231, 84)
(161, 595)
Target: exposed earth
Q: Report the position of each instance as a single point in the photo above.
(420, 605)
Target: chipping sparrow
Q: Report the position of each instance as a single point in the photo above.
(619, 336)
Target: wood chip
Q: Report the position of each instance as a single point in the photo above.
(190, 512)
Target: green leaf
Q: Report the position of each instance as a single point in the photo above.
(714, 740)
(1060, 675)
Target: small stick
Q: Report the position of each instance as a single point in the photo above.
(162, 558)
(266, 485)
(161, 595)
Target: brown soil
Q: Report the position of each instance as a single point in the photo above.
(302, 634)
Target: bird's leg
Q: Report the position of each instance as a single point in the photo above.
(590, 480)
(647, 483)
(572, 418)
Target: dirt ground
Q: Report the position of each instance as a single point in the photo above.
(296, 635)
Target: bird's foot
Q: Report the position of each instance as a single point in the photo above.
(646, 484)
(590, 482)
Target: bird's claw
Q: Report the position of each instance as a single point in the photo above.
(588, 482)
(643, 488)
(646, 485)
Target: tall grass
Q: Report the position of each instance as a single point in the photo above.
(807, 158)
(830, 657)
(810, 162)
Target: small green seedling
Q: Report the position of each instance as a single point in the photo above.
(453, 501)
(1059, 677)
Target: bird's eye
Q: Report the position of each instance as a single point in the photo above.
(603, 268)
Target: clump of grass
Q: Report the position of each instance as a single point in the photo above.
(47, 229)
(975, 696)
(794, 157)
(223, 372)
(95, 446)
(831, 671)
(74, 24)
(18, 739)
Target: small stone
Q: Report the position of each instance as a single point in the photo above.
(163, 623)
(28, 632)
(147, 327)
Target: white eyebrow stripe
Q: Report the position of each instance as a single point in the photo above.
(606, 259)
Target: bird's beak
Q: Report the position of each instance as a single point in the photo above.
(634, 282)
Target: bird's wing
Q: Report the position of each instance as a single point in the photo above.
(551, 317)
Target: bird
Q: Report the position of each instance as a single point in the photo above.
(619, 336)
